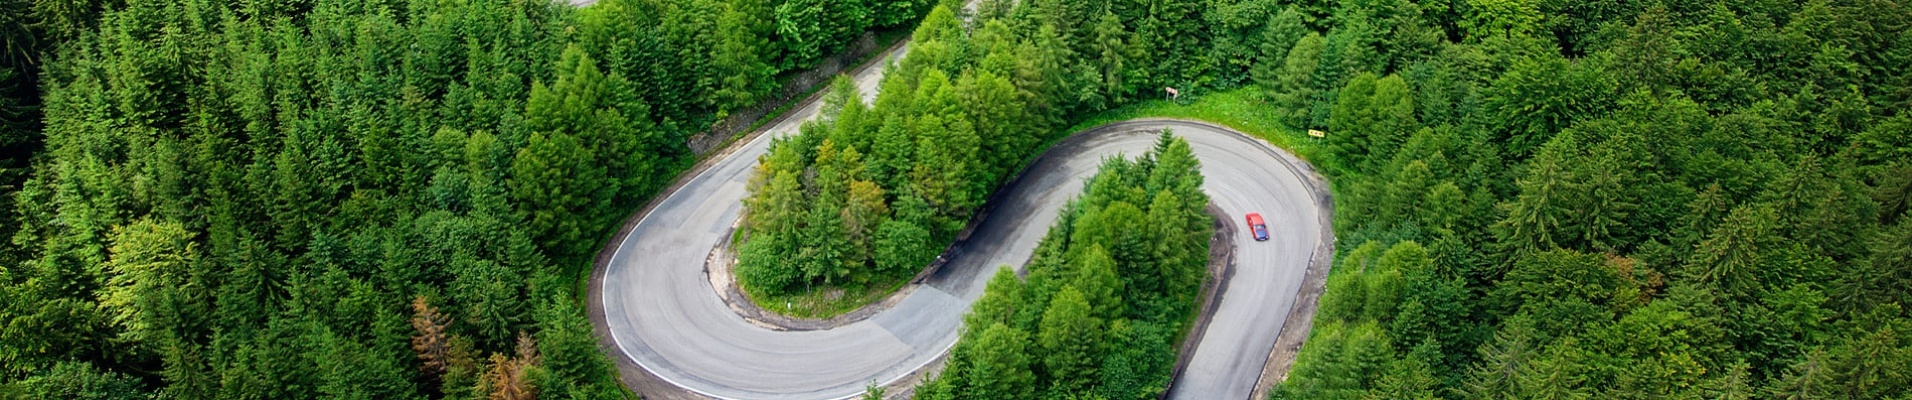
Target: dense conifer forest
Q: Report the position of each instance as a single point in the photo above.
(350, 199)
(1692, 199)
(1679, 199)
(397, 199)
(869, 195)
(1110, 292)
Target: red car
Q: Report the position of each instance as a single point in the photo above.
(1260, 229)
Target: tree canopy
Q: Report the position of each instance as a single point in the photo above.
(351, 199)
(974, 101)
(1091, 322)
(395, 199)
(1609, 200)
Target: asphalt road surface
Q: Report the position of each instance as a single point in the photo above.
(664, 315)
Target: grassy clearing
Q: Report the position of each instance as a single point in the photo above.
(1241, 109)
(824, 302)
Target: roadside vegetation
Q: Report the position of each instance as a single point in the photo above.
(869, 195)
(1243, 109)
(350, 199)
(866, 196)
(1110, 292)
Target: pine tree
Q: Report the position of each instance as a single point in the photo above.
(586, 104)
(1111, 48)
(1534, 217)
(78, 381)
(1069, 337)
(999, 368)
(745, 58)
(554, 178)
(1350, 121)
(1098, 282)
(568, 349)
(430, 342)
(512, 378)
(1732, 255)
(1504, 362)
(1001, 300)
(1295, 93)
(152, 287)
(1278, 36)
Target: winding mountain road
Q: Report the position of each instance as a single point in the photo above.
(663, 314)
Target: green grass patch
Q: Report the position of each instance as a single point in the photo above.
(1243, 109)
(823, 302)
